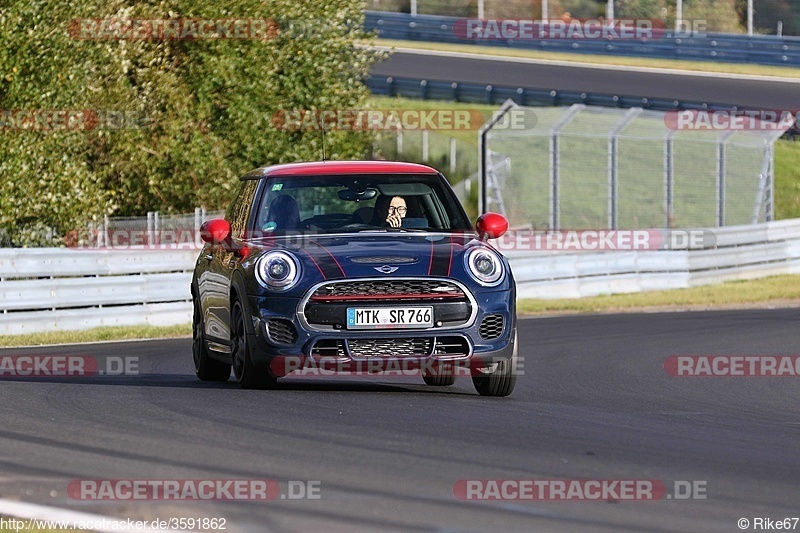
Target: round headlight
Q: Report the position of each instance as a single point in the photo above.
(485, 266)
(277, 270)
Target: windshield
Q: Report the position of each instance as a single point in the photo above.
(332, 204)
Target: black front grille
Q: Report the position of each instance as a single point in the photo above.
(395, 347)
(281, 331)
(390, 347)
(388, 288)
(492, 327)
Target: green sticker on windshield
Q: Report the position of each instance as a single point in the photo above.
(277, 187)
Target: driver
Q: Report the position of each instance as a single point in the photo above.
(396, 211)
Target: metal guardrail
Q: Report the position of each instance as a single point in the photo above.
(49, 289)
(478, 93)
(497, 94)
(741, 252)
(722, 47)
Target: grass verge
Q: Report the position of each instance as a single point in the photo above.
(115, 333)
(775, 291)
(745, 69)
(787, 179)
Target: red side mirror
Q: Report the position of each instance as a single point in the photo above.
(216, 231)
(491, 225)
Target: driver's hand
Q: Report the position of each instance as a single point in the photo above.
(394, 221)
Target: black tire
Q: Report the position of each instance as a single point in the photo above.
(502, 381)
(248, 375)
(206, 368)
(443, 376)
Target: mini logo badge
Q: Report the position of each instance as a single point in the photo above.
(386, 269)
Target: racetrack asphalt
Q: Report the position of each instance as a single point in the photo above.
(594, 403)
(712, 89)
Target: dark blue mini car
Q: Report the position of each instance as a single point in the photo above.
(351, 267)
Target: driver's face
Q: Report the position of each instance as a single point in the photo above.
(397, 207)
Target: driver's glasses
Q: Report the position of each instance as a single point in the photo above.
(399, 210)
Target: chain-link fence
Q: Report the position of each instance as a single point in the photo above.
(516, 8)
(469, 8)
(610, 168)
(153, 229)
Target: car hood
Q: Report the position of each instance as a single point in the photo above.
(376, 254)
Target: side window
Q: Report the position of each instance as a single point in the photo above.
(240, 208)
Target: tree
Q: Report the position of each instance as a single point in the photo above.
(720, 15)
(641, 9)
(195, 113)
(767, 14)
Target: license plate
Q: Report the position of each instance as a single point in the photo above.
(389, 317)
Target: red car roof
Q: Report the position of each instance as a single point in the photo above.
(321, 168)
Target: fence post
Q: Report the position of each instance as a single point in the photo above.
(769, 212)
(483, 149)
(555, 159)
(721, 170)
(425, 146)
(198, 221)
(613, 165)
(399, 142)
(105, 230)
(764, 190)
(669, 176)
(150, 228)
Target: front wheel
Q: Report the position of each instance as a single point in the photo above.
(248, 375)
(502, 381)
(206, 368)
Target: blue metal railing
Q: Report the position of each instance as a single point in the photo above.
(722, 47)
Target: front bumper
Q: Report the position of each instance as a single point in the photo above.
(343, 348)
